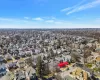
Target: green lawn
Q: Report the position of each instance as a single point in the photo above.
(89, 65)
(96, 69)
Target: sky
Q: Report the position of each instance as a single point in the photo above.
(49, 14)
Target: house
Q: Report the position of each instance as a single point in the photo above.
(97, 50)
(33, 77)
(2, 60)
(28, 53)
(82, 46)
(21, 63)
(30, 73)
(62, 64)
(97, 44)
(59, 51)
(66, 58)
(17, 57)
(90, 44)
(22, 54)
(58, 59)
(53, 65)
(76, 45)
(79, 51)
(90, 59)
(12, 65)
(37, 51)
(20, 75)
(2, 69)
(8, 57)
(98, 61)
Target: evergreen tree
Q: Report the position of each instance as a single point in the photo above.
(29, 61)
(39, 66)
(42, 68)
(45, 69)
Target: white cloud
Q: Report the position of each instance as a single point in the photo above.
(97, 20)
(85, 6)
(81, 7)
(38, 19)
(6, 19)
(27, 26)
(69, 8)
(53, 24)
(49, 18)
(53, 18)
(58, 22)
(26, 17)
(50, 21)
(12, 20)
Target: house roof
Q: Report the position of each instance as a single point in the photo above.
(97, 49)
(12, 64)
(62, 64)
(8, 56)
(30, 71)
(2, 66)
(21, 74)
(98, 58)
(1, 58)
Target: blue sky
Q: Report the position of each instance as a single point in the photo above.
(49, 13)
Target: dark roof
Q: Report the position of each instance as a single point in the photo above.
(21, 75)
(1, 59)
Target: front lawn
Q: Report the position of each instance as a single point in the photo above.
(96, 69)
(89, 65)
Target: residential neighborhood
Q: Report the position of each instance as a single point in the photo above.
(48, 54)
